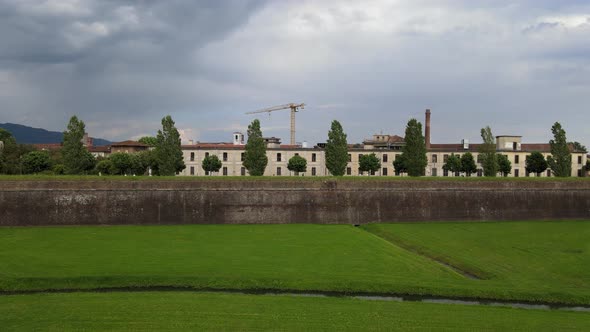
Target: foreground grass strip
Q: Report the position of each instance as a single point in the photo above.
(551, 258)
(219, 312)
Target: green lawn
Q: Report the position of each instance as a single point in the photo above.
(530, 261)
(295, 257)
(34, 177)
(539, 258)
(173, 311)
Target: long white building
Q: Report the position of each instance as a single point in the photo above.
(385, 147)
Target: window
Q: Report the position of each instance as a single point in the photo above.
(206, 154)
(434, 159)
(225, 171)
(348, 170)
(278, 171)
(242, 157)
(516, 171)
(514, 146)
(516, 159)
(296, 154)
(349, 157)
(313, 171)
(192, 170)
(278, 157)
(479, 158)
(192, 156)
(313, 157)
(445, 158)
(445, 172)
(385, 158)
(243, 171)
(360, 156)
(384, 171)
(579, 159)
(434, 171)
(225, 156)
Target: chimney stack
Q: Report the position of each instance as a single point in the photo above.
(427, 129)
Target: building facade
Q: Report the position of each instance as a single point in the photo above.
(386, 147)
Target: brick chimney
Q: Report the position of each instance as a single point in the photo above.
(427, 129)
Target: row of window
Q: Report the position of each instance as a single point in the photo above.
(384, 157)
(225, 156)
(243, 171)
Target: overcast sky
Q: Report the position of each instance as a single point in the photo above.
(517, 66)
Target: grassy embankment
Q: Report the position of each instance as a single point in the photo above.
(33, 177)
(235, 312)
(526, 261)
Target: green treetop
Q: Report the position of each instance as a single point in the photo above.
(168, 151)
(504, 165)
(414, 151)
(453, 164)
(336, 150)
(535, 163)
(76, 159)
(297, 164)
(211, 164)
(488, 153)
(255, 159)
(369, 163)
(560, 160)
(468, 164)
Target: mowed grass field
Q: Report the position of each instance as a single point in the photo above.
(174, 311)
(524, 261)
(532, 259)
(293, 257)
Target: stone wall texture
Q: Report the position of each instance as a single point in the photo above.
(343, 201)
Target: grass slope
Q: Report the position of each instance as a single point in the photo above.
(294, 257)
(221, 312)
(535, 259)
(35, 177)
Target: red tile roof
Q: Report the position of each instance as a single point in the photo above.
(48, 146)
(130, 143)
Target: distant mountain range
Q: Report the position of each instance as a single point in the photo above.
(30, 135)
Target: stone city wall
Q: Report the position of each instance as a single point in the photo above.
(343, 201)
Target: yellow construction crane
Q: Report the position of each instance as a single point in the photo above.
(294, 108)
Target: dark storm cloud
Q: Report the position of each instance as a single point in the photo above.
(122, 65)
(107, 61)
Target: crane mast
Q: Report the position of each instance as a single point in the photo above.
(292, 106)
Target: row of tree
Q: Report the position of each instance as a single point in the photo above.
(166, 156)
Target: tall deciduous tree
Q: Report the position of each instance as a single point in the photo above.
(535, 163)
(369, 163)
(560, 160)
(168, 152)
(414, 151)
(488, 153)
(255, 159)
(77, 160)
(211, 164)
(468, 164)
(336, 150)
(297, 164)
(504, 165)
